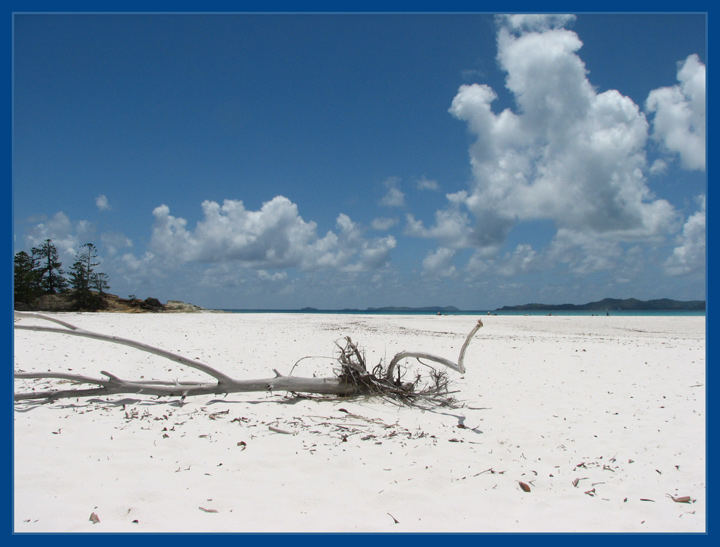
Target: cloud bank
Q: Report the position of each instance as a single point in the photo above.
(66, 235)
(273, 237)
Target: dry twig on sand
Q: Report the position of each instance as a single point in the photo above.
(353, 377)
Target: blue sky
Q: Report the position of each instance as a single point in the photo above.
(281, 161)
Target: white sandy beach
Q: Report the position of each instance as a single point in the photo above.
(602, 417)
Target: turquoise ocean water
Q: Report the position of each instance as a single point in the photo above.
(641, 313)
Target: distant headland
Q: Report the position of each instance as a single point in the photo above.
(605, 305)
(615, 304)
(107, 302)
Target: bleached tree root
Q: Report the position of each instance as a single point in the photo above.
(459, 366)
(353, 379)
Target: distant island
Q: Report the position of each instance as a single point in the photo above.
(615, 304)
(605, 305)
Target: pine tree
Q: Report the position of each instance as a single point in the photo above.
(84, 279)
(52, 277)
(26, 279)
(99, 282)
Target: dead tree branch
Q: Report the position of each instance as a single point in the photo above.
(352, 379)
(459, 366)
(76, 331)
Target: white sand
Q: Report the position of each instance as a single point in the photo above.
(616, 402)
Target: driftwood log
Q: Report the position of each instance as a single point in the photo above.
(354, 378)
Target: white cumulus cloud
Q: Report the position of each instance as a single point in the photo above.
(679, 114)
(658, 167)
(452, 227)
(382, 224)
(519, 261)
(66, 235)
(567, 154)
(583, 253)
(394, 197)
(272, 276)
(427, 184)
(102, 203)
(689, 255)
(572, 155)
(439, 263)
(535, 22)
(113, 242)
(273, 237)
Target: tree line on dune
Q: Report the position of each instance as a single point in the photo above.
(40, 273)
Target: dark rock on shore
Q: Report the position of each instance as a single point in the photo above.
(179, 306)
